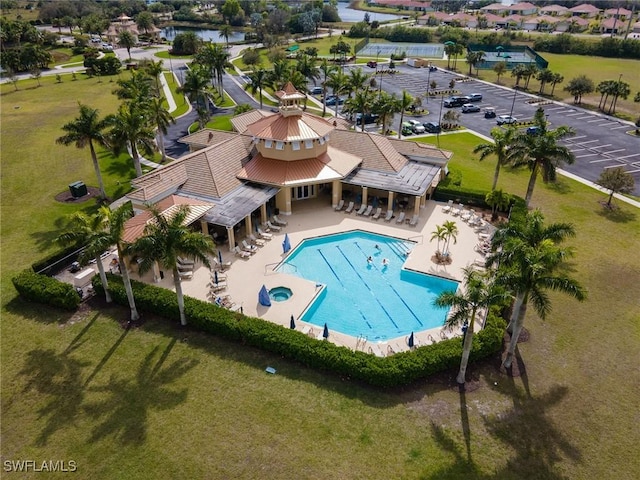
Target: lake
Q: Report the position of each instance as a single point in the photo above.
(207, 35)
(350, 15)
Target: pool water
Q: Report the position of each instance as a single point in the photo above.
(280, 294)
(363, 298)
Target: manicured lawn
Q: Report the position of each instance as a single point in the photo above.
(167, 55)
(165, 402)
(181, 104)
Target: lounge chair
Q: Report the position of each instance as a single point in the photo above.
(275, 228)
(249, 248)
(185, 261)
(447, 208)
(257, 241)
(414, 220)
(339, 206)
(264, 235)
(376, 215)
(389, 216)
(220, 266)
(367, 212)
(218, 288)
(349, 208)
(277, 221)
(241, 253)
(400, 218)
(221, 278)
(363, 207)
(187, 275)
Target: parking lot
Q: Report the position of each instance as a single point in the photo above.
(599, 142)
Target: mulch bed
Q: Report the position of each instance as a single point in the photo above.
(66, 197)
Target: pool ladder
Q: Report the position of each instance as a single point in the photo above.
(361, 342)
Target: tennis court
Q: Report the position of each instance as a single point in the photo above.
(424, 50)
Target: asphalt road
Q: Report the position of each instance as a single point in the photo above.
(599, 141)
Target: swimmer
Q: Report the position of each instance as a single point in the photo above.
(377, 247)
(369, 260)
(385, 262)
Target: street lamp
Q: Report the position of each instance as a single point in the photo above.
(428, 82)
(515, 93)
(440, 121)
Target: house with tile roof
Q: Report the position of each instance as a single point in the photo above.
(620, 13)
(584, 10)
(273, 160)
(415, 5)
(554, 11)
(522, 8)
(125, 23)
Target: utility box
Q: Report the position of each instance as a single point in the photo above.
(78, 189)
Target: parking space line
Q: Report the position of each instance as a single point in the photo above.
(588, 141)
(614, 151)
(606, 160)
(573, 114)
(588, 155)
(575, 138)
(554, 109)
(574, 150)
(596, 120)
(619, 127)
(601, 146)
(629, 156)
(631, 171)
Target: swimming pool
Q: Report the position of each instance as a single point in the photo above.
(363, 298)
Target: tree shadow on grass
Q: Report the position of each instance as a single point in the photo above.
(560, 186)
(60, 377)
(37, 312)
(618, 214)
(127, 401)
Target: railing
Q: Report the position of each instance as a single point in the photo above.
(269, 265)
(421, 237)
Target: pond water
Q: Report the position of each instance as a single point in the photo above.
(350, 15)
(207, 35)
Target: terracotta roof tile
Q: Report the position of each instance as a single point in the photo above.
(289, 128)
(164, 179)
(206, 137)
(375, 150)
(418, 149)
(241, 122)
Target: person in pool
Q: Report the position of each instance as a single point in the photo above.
(369, 260)
(385, 262)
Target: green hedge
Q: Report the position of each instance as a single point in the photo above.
(50, 264)
(42, 289)
(399, 369)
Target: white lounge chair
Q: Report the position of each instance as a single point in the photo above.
(349, 208)
(363, 207)
(389, 216)
(220, 266)
(400, 218)
(183, 262)
(241, 253)
(414, 220)
(277, 221)
(376, 215)
(249, 248)
(221, 278)
(367, 212)
(339, 206)
(264, 235)
(447, 208)
(216, 286)
(257, 241)
(275, 228)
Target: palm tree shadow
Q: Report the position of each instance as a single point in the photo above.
(126, 402)
(60, 377)
(559, 186)
(617, 214)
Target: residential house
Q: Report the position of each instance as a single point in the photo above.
(522, 8)
(554, 11)
(619, 13)
(126, 23)
(413, 5)
(585, 10)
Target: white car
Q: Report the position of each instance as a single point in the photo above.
(416, 126)
(506, 119)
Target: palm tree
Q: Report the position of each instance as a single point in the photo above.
(83, 131)
(544, 76)
(357, 80)
(225, 32)
(557, 78)
(307, 66)
(154, 70)
(327, 69)
(497, 200)
(439, 234)
(502, 139)
(161, 118)
(386, 106)
(90, 231)
(220, 62)
(338, 83)
(258, 82)
(137, 88)
(500, 68)
(474, 59)
(450, 231)
(116, 220)
(360, 103)
(130, 128)
(166, 239)
(541, 152)
(527, 254)
(449, 50)
(480, 292)
(405, 102)
(126, 40)
(195, 85)
(518, 71)
(621, 90)
(530, 70)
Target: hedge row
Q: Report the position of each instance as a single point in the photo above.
(49, 264)
(399, 369)
(42, 289)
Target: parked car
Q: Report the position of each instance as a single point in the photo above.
(407, 128)
(332, 100)
(506, 120)
(416, 126)
(469, 108)
(489, 112)
(433, 68)
(535, 130)
(372, 64)
(432, 127)
(454, 102)
(316, 91)
(474, 97)
(368, 118)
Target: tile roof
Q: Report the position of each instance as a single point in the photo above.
(585, 8)
(288, 92)
(169, 206)
(206, 137)
(614, 11)
(375, 150)
(332, 165)
(418, 149)
(165, 179)
(554, 8)
(289, 128)
(241, 122)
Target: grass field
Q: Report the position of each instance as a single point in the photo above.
(163, 402)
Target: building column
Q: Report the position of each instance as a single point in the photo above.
(423, 200)
(390, 201)
(416, 205)
(283, 201)
(156, 272)
(231, 237)
(263, 213)
(205, 227)
(365, 192)
(248, 225)
(336, 192)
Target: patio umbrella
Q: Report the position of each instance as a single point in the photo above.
(292, 325)
(286, 245)
(215, 277)
(325, 332)
(263, 297)
(499, 48)
(449, 43)
(220, 256)
(411, 341)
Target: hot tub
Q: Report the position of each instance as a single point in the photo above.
(280, 294)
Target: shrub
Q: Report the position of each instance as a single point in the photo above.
(399, 369)
(42, 289)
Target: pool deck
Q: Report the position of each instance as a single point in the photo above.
(314, 218)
